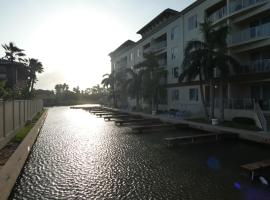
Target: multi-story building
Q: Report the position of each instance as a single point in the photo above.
(14, 74)
(248, 42)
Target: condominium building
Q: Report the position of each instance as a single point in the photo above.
(248, 42)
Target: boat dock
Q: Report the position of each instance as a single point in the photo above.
(200, 138)
(255, 167)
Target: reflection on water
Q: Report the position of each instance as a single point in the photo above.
(79, 156)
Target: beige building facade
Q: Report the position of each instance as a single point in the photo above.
(248, 42)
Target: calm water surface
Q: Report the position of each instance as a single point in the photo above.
(79, 156)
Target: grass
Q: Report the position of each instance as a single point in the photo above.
(230, 124)
(22, 133)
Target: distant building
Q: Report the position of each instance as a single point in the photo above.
(14, 74)
(248, 42)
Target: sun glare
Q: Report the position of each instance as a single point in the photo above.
(76, 43)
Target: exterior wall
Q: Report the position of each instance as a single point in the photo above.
(191, 107)
(237, 20)
(14, 114)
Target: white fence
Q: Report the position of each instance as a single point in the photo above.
(14, 115)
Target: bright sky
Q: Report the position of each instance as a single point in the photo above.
(72, 38)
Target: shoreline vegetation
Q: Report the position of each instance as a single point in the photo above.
(63, 96)
(10, 148)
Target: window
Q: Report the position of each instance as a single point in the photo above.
(192, 22)
(174, 52)
(175, 95)
(193, 94)
(175, 72)
(174, 33)
(131, 56)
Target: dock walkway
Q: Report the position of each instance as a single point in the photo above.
(253, 167)
(199, 138)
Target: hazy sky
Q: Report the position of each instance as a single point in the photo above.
(72, 38)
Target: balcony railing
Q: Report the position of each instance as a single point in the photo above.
(237, 5)
(234, 6)
(236, 104)
(258, 66)
(251, 33)
(219, 14)
(243, 103)
(159, 45)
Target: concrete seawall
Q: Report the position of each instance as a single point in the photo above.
(11, 170)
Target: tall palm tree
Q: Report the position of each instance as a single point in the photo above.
(152, 74)
(134, 84)
(202, 57)
(34, 66)
(193, 67)
(109, 82)
(12, 54)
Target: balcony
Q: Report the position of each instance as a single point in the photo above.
(147, 50)
(238, 5)
(218, 15)
(258, 66)
(159, 46)
(250, 34)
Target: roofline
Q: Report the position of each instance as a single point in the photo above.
(130, 43)
(178, 15)
(160, 14)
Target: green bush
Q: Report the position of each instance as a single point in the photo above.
(244, 120)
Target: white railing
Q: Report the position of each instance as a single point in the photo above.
(261, 117)
(219, 14)
(236, 103)
(236, 5)
(251, 33)
(258, 66)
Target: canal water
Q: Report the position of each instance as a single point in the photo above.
(79, 156)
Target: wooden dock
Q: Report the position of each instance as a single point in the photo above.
(108, 118)
(253, 167)
(190, 139)
(141, 128)
(135, 121)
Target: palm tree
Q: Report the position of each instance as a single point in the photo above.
(134, 84)
(202, 57)
(152, 74)
(109, 82)
(34, 66)
(13, 52)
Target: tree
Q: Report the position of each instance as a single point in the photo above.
(76, 90)
(134, 84)
(152, 77)
(34, 66)
(202, 57)
(13, 53)
(109, 83)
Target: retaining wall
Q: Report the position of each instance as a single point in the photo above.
(14, 114)
(11, 170)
